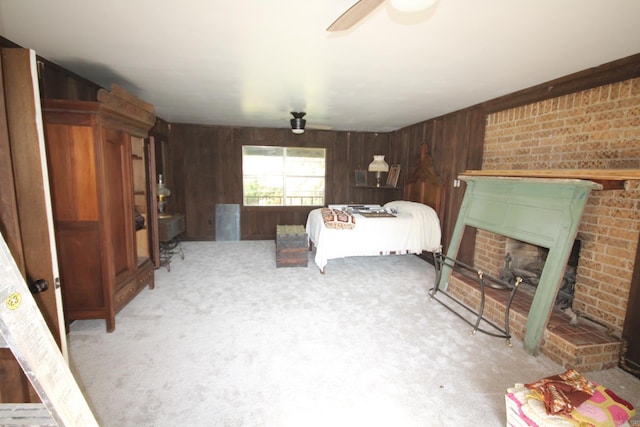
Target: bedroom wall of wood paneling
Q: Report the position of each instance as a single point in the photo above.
(205, 169)
(455, 143)
(57, 82)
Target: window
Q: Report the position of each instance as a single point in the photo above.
(283, 176)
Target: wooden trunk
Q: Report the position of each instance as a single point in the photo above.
(292, 246)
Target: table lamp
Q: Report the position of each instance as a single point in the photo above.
(163, 193)
(378, 165)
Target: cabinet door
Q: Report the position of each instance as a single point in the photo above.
(72, 171)
(140, 197)
(152, 199)
(145, 199)
(118, 201)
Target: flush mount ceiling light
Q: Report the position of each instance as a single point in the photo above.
(297, 123)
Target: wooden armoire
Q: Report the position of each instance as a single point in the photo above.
(102, 174)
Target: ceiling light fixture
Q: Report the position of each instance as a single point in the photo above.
(411, 5)
(297, 123)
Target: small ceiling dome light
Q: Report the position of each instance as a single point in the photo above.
(297, 123)
(411, 5)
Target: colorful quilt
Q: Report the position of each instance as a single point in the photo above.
(337, 219)
(603, 408)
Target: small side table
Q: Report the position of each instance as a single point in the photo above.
(169, 230)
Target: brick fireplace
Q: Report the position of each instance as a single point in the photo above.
(594, 129)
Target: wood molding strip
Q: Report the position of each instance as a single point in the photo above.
(609, 179)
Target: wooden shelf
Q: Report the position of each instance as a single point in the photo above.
(610, 179)
(373, 187)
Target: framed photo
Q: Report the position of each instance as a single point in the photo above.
(361, 178)
(394, 174)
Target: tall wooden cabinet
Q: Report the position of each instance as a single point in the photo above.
(101, 169)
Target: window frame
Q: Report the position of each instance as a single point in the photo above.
(284, 176)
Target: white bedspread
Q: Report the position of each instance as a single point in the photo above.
(416, 228)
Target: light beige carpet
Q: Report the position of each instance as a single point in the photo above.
(227, 339)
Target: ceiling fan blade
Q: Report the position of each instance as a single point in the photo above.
(354, 14)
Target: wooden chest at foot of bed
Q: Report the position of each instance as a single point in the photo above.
(292, 246)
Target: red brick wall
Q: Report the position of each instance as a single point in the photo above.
(594, 129)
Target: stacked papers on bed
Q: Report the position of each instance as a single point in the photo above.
(356, 207)
(366, 210)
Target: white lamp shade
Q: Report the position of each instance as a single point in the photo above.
(378, 164)
(161, 188)
(411, 5)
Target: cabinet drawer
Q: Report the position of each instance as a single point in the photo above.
(133, 286)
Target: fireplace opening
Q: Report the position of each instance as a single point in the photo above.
(527, 261)
(570, 336)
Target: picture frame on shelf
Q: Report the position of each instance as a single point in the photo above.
(394, 174)
(361, 178)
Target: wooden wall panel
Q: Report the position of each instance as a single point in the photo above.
(160, 135)
(630, 357)
(611, 72)
(259, 223)
(58, 83)
(173, 164)
(201, 171)
(339, 180)
(205, 169)
(361, 147)
(455, 144)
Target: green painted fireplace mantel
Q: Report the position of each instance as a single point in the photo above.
(540, 211)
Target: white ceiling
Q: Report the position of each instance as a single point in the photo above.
(251, 62)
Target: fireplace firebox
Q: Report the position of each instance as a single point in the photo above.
(526, 261)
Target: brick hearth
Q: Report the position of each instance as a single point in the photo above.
(586, 347)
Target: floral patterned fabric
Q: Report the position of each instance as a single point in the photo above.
(603, 409)
(337, 219)
(562, 393)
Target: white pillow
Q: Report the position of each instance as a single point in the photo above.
(406, 206)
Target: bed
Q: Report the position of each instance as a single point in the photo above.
(399, 227)
(408, 226)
